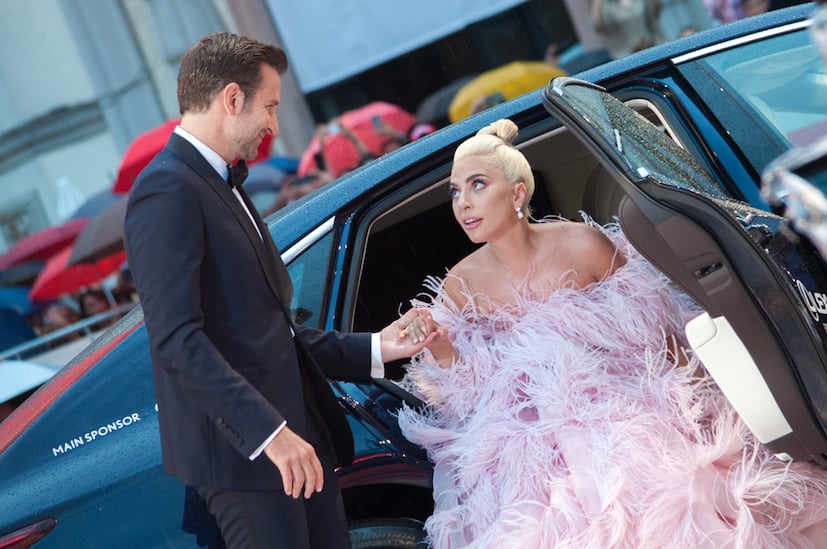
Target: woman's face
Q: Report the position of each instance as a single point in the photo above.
(482, 200)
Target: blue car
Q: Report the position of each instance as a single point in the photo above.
(671, 142)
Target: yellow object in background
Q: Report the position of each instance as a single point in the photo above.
(501, 84)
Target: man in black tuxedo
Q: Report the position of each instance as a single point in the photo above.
(246, 415)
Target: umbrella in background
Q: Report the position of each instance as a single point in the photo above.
(43, 244)
(140, 151)
(434, 108)
(505, 82)
(336, 148)
(58, 278)
(95, 204)
(21, 273)
(102, 236)
(143, 149)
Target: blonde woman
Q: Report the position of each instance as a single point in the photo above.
(561, 408)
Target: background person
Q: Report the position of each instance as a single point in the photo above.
(627, 26)
(94, 302)
(724, 11)
(246, 415)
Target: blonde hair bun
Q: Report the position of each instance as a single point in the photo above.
(503, 128)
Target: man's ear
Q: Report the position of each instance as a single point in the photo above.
(232, 98)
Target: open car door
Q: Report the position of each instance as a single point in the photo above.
(761, 336)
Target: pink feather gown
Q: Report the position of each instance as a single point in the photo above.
(567, 424)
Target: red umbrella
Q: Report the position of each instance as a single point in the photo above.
(340, 153)
(43, 244)
(144, 148)
(59, 278)
(138, 154)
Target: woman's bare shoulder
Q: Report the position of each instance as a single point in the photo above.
(463, 275)
(597, 250)
(590, 250)
(564, 232)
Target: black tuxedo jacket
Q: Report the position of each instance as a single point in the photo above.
(227, 369)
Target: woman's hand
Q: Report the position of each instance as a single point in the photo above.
(423, 328)
(417, 325)
(399, 340)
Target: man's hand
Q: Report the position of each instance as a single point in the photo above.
(409, 335)
(297, 462)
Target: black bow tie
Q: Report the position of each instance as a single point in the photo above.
(237, 174)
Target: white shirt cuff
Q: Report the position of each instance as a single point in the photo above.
(267, 441)
(377, 366)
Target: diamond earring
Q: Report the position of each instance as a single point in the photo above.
(519, 212)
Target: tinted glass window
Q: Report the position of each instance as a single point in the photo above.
(308, 271)
(783, 79)
(645, 148)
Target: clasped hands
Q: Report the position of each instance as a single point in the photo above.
(419, 328)
(410, 334)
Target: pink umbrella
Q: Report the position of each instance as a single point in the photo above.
(43, 244)
(338, 150)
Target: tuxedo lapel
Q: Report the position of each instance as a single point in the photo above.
(273, 256)
(272, 266)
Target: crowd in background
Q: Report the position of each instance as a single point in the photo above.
(627, 26)
(48, 317)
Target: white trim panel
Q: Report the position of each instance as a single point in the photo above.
(730, 364)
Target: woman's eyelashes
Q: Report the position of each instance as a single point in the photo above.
(476, 185)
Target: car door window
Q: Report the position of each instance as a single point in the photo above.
(644, 148)
(308, 272)
(765, 92)
(782, 78)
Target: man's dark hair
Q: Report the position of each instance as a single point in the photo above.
(218, 59)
